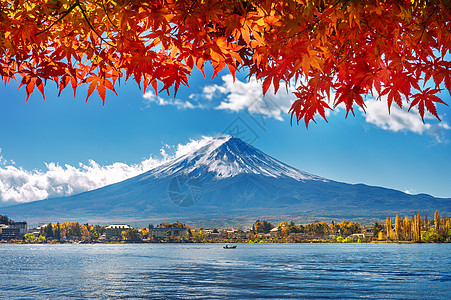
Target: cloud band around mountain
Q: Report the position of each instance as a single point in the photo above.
(18, 185)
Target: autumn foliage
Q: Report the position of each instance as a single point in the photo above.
(349, 48)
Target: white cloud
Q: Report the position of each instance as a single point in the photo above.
(169, 152)
(409, 192)
(235, 96)
(150, 97)
(242, 96)
(209, 91)
(18, 185)
(4, 161)
(402, 120)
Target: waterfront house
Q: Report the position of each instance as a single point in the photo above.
(115, 231)
(274, 232)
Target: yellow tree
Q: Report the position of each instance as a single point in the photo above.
(398, 228)
(407, 227)
(282, 224)
(285, 231)
(437, 222)
(388, 226)
(426, 223)
(416, 227)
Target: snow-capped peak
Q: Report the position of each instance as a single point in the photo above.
(224, 157)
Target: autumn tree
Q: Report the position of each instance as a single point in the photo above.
(407, 227)
(377, 228)
(57, 231)
(131, 234)
(437, 222)
(262, 226)
(398, 227)
(349, 48)
(348, 228)
(388, 227)
(416, 227)
(144, 232)
(426, 223)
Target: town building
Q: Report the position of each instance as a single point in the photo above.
(274, 232)
(115, 231)
(209, 235)
(168, 232)
(9, 233)
(22, 227)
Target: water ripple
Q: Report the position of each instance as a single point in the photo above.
(165, 271)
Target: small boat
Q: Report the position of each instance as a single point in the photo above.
(229, 246)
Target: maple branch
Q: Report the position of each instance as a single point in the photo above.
(108, 16)
(349, 54)
(177, 28)
(90, 25)
(422, 32)
(310, 28)
(59, 19)
(313, 25)
(189, 10)
(375, 31)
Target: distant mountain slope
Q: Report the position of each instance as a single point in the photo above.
(227, 180)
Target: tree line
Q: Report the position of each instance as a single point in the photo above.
(416, 229)
(284, 229)
(72, 231)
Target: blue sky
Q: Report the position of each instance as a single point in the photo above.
(64, 145)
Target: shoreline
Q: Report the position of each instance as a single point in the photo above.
(219, 242)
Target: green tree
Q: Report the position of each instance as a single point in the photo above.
(99, 229)
(29, 238)
(5, 220)
(377, 228)
(94, 235)
(57, 231)
(199, 236)
(48, 231)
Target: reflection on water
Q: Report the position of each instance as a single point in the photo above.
(209, 271)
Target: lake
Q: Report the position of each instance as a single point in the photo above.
(187, 271)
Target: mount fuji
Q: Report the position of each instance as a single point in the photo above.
(227, 181)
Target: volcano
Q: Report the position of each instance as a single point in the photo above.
(227, 181)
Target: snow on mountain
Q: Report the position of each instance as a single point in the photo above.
(226, 157)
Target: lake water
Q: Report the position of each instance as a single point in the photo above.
(187, 271)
